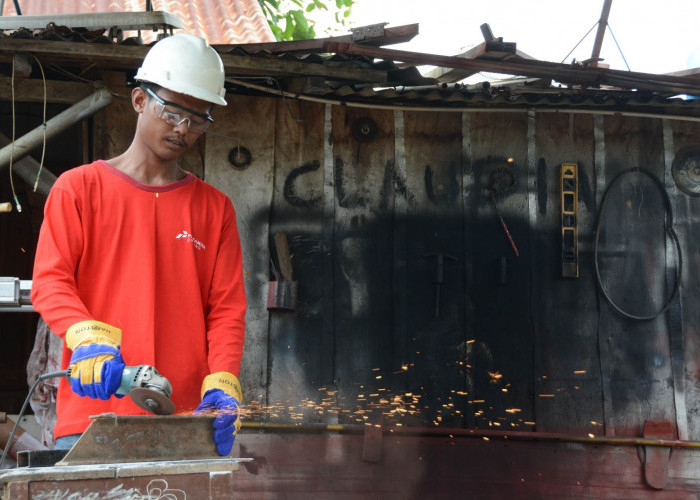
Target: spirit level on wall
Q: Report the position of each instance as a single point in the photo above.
(569, 220)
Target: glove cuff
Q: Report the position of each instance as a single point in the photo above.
(224, 381)
(92, 332)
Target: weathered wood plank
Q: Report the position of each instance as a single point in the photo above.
(301, 362)
(501, 354)
(363, 153)
(32, 90)
(436, 343)
(252, 120)
(130, 57)
(565, 311)
(392, 35)
(114, 126)
(631, 254)
(686, 143)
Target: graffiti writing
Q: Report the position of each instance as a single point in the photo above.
(442, 193)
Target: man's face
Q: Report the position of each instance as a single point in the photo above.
(170, 122)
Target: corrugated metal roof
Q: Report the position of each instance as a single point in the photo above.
(219, 21)
(495, 97)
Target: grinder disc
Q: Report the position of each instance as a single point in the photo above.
(152, 401)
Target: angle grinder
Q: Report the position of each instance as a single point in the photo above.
(147, 388)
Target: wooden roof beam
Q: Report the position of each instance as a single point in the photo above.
(564, 73)
(32, 90)
(492, 48)
(398, 34)
(130, 57)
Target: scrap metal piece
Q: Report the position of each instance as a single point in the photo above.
(656, 458)
(9, 291)
(363, 33)
(118, 439)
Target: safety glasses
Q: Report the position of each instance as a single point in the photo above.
(171, 113)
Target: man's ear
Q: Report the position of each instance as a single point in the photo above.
(139, 99)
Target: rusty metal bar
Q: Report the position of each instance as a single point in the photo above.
(474, 433)
(22, 440)
(602, 24)
(540, 69)
(119, 439)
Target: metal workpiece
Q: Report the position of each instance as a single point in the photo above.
(210, 479)
(117, 470)
(121, 439)
(14, 295)
(126, 457)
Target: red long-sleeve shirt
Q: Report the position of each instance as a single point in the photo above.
(163, 263)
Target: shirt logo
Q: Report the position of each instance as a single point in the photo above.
(184, 235)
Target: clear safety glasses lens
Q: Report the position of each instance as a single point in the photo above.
(170, 115)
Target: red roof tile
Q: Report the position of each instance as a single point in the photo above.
(219, 21)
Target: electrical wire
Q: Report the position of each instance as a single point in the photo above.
(12, 145)
(579, 42)
(668, 228)
(14, 120)
(618, 47)
(43, 145)
(41, 378)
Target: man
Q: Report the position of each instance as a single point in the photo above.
(139, 262)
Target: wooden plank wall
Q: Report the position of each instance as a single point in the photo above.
(369, 198)
(682, 138)
(511, 344)
(300, 351)
(565, 311)
(251, 191)
(435, 344)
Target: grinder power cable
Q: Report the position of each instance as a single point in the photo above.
(147, 388)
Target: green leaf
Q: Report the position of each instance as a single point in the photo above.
(301, 21)
(290, 19)
(289, 27)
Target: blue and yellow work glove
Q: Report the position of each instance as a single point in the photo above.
(96, 365)
(221, 395)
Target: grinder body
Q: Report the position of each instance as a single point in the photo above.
(147, 388)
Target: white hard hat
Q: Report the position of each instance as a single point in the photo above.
(185, 64)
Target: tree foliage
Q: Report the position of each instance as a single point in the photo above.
(294, 19)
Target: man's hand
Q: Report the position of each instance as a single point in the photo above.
(221, 395)
(96, 365)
